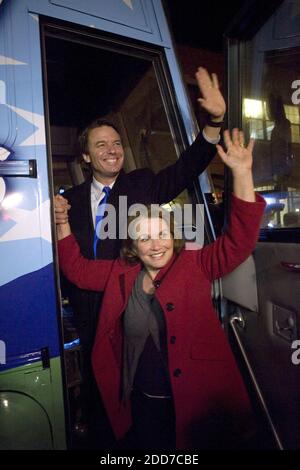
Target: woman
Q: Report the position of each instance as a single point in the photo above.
(161, 359)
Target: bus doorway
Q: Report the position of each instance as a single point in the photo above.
(88, 76)
(54, 54)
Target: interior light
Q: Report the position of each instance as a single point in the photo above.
(270, 200)
(253, 109)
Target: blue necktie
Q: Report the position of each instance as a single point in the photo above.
(99, 216)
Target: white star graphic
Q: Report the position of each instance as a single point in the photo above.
(128, 3)
(2, 189)
(9, 61)
(29, 223)
(38, 137)
(34, 17)
(2, 92)
(4, 154)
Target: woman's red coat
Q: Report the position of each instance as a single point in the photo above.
(204, 377)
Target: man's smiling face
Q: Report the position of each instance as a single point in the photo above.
(106, 153)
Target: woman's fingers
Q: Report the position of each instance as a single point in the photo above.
(61, 199)
(221, 152)
(241, 138)
(251, 145)
(61, 215)
(61, 203)
(235, 136)
(236, 152)
(61, 207)
(227, 139)
(237, 139)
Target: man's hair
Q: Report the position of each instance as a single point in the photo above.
(128, 252)
(84, 136)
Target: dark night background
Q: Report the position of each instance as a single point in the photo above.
(201, 23)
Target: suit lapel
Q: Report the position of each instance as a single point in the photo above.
(87, 221)
(121, 188)
(81, 217)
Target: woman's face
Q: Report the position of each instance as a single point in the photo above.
(154, 245)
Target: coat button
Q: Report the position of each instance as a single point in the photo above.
(177, 372)
(170, 306)
(173, 339)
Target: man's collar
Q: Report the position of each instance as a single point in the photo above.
(98, 187)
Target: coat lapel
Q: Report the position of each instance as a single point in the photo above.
(126, 282)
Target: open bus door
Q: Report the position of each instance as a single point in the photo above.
(264, 293)
(60, 64)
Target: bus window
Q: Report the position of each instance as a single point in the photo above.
(271, 115)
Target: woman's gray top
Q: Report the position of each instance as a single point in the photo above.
(142, 348)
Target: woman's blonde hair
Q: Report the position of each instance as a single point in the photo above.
(128, 252)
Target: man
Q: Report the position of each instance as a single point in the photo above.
(102, 148)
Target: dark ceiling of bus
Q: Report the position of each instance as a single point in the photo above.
(86, 82)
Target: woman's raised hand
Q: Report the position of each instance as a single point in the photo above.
(237, 156)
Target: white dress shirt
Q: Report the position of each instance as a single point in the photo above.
(210, 140)
(96, 195)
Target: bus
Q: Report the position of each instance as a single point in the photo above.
(63, 63)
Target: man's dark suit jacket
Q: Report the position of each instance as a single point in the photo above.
(140, 186)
